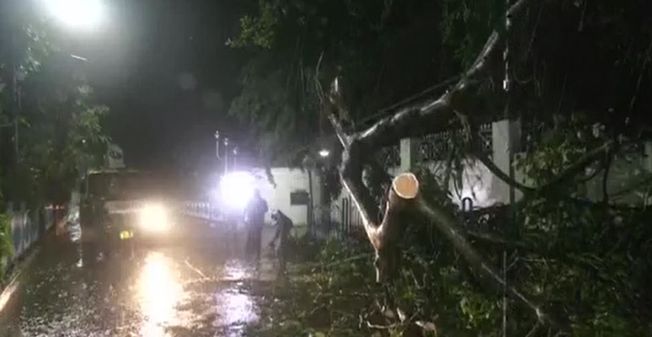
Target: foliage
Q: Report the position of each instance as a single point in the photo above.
(62, 135)
(325, 298)
(466, 24)
(6, 247)
(587, 258)
(589, 266)
(292, 46)
(276, 105)
(258, 30)
(59, 123)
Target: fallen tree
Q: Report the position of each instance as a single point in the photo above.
(418, 119)
(555, 252)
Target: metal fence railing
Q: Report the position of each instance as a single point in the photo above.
(202, 210)
(436, 147)
(345, 219)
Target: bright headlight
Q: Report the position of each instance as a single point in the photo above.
(154, 218)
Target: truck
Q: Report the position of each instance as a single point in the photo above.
(119, 205)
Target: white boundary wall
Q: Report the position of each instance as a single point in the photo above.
(287, 180)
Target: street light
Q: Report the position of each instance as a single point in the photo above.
(77, 13)
(324, 153)
(217, 145)
(226, 155)
(235, 157)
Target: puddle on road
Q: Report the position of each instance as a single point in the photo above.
(236, 270)
(235, 305)
(236, 310)
(217, 306)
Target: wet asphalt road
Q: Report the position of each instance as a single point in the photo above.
(200, 285)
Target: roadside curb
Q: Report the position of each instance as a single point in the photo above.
(13, 273)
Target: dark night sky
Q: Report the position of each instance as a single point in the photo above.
(164, 70)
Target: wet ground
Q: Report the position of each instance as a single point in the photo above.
(200, 285)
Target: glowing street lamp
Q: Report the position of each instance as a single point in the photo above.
(83, 14)
(217, 145)
(236, 189)
(324, 153)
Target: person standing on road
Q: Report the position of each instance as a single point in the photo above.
(283, 228)
(255, 219)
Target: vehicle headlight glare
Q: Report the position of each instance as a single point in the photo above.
(154, 218)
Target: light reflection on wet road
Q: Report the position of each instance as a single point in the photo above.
(197, 287)
(158, 294)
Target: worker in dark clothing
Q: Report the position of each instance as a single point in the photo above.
(254, 220)
(283, 228)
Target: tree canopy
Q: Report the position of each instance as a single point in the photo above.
(59, 123)
(294, 45)
(387, 51)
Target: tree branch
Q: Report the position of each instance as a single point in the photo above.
(345, 140)
(445, 222)
(496, 240)
(517, 7)
(430, 116)
(578, 166)
(489, 164)
(425, 117)
(605, 180)
(633, 186)
(571, 171)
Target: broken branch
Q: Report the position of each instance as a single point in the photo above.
(431, 116)
(447, 225)
(489, 164)
(578, 166)
(571, 171)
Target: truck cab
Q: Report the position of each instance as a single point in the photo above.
(121, 204)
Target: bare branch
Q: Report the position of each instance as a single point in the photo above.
(515, 8)
(339, 131)
(418, 97)
(534, 330)
(382, 327)
(496, 240)
(605, 180)
(633, 186)
(430, 116)
(489, 164)
(480, 63)
(415, 120)
(571, 171)
(632, 102)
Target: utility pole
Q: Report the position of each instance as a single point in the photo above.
(218, 154)
(235, 158)
(226, 155)
(217, 145)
